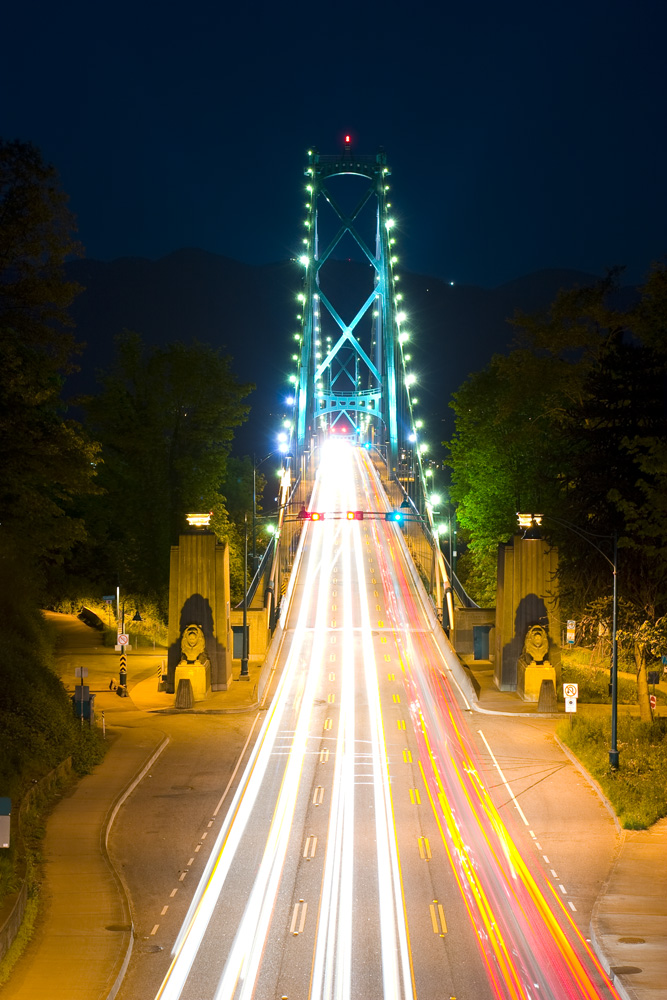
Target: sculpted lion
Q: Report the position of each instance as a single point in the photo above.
(536, 644)
(193, 645)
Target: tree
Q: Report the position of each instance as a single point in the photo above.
(165, 417)
(46, 458)
(572, 424)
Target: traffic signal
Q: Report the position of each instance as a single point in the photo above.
(355, 515)
(393, 515)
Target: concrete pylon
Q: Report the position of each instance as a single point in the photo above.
(527, 597)
(199, 595)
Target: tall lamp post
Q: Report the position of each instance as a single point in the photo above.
(244, 655)
(255, 467)
(532, 522)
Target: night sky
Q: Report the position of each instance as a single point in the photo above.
(521, 135)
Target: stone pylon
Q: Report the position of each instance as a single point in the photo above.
(527, 596)
(199, 595)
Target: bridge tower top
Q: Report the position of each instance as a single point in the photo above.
(351, 319)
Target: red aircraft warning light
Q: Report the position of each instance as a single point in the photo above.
(316, 516)
(355, 515)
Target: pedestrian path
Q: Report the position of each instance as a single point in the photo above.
(84, 936)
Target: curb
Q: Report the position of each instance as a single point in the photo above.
(111, 815)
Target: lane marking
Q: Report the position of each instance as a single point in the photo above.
(554, 873)
(331, 698)
(154, 931)
(424, 848)
(204, 835)
(327, 723)
(391, 677)
(383, 638)
(182, 876)
(238, 764)
(332, 677)
(572, 906)
(309, 849)
(563, 889)
(324, 755)
(397, 699)
(437, 911)
(318, 795)
(164, 910)
(387, 658)
(197, 848)
(190, 862)
(414, 797)
(546, 859)
(210, 824)
(407, 756)
(173, 893)
(503, 778)
(401, 723)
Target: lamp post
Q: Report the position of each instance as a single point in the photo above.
(244, 654)
(532, 522)
(255, 467)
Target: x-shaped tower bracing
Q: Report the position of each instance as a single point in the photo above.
(347, 371)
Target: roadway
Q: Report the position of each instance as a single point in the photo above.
(362, 854)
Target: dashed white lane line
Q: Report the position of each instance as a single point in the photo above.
(503, 778)
(190, 862)
(163, 910)
(173, 893)
(182, 876)
(154, 931)
(521, 813)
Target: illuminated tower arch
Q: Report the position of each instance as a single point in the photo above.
(350, 328)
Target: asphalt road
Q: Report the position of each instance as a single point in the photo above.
(370, 846)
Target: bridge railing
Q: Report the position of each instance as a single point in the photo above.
(424, 547)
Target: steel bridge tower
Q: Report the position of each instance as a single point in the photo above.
(350, 317)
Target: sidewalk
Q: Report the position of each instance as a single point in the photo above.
(84, 937)
(629, 924)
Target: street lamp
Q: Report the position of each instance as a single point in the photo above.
(532, 522)
(255, 467)
(244, 654)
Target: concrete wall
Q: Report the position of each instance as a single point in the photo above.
(462, 637)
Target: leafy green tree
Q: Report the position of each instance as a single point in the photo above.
(572, 424)
(46, 458)
(165, 417)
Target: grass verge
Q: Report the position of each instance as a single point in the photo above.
(638, 789)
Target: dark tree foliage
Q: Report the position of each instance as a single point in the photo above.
(572, 424)
(165, 417)
(46, 459)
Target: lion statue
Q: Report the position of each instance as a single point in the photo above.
(193, 645)
(536, 644)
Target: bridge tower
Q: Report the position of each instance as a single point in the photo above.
(350, 339)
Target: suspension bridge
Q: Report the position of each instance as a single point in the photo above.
(363, 854)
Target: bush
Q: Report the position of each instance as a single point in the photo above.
(638, 789)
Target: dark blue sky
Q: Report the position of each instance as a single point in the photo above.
(521, 135)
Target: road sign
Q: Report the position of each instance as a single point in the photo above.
(570, 691)
(123, 639)
(571, 629)
(123, 661)
(570, 704)
(81, 671)
(653, 700)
